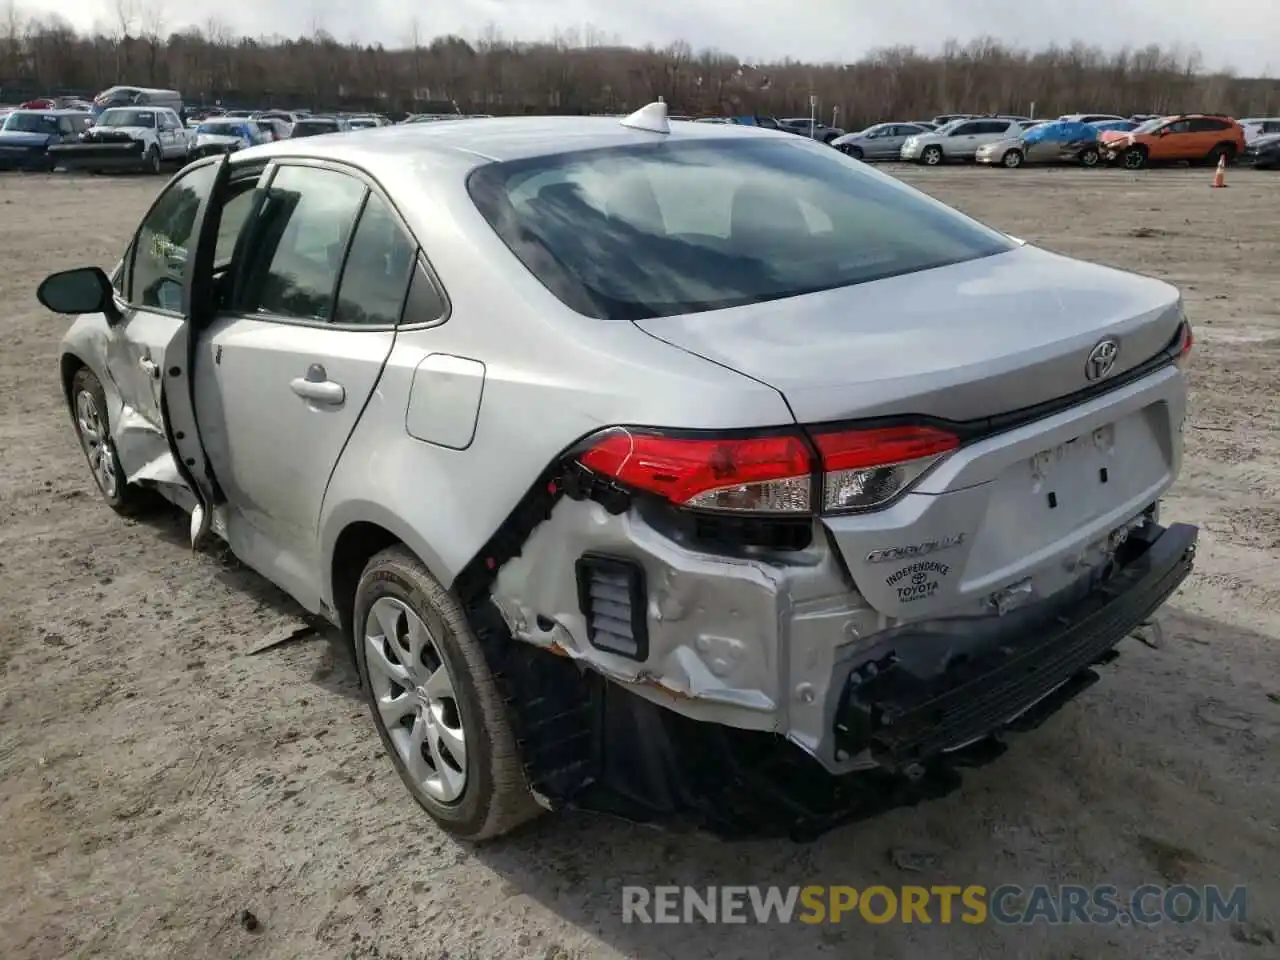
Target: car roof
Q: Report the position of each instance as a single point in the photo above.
(494, 139)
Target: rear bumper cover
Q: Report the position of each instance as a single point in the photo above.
(928, 690)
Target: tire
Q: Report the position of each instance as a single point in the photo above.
(829, 137)
(1089, 157)
(152, 160)
(494, 796)
(854, 152)
(931, 156)
(1012, 159)
(1135, 158)
(93, 429)
(1221, 150)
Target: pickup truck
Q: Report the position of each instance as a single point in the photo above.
(128, 138)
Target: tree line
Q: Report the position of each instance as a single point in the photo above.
(589, 72)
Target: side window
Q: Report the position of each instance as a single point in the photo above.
(300, 237)
(965, 130)
(159, 263)
(376, 276)
(1179, 126)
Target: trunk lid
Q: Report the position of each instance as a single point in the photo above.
(961, 342)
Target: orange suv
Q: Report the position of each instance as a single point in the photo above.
(1194, 137)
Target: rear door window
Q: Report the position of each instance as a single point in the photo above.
(298, 241)
(375, 278)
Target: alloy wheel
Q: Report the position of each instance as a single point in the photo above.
(91, 426)
(416, 700)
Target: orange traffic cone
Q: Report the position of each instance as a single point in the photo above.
(1220, 175)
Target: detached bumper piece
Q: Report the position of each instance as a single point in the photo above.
(906, 718)
(107, 155)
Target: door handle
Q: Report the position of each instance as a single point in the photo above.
(149, 367)
(316, 388)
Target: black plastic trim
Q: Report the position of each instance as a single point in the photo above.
(637, 601)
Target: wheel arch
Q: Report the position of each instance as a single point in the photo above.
(354, 536)
(69, 364)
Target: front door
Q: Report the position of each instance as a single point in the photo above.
(283, 373)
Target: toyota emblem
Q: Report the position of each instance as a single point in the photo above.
(1101, 359)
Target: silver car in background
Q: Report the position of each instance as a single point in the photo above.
(677, 470)
(958, 140)
(882, 141)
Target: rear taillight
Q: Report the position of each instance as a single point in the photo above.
(1186, 340)
(768, 474)
(858, 469)
(866, 468)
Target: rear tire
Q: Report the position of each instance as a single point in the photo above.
(457, 709)
(1089, 157)
(93, 428)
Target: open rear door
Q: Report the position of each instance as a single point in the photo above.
(178, 396)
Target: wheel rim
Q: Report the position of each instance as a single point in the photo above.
(1089, 158)
(97, 445)
(414, 695)
(1013, 160)
(931, 157)
(1133, 160)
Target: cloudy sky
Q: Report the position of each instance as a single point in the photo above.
(1242, 35)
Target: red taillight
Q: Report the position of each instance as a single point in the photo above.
(1185, 344)
(767, 474)
(863, 469)
(860, 469)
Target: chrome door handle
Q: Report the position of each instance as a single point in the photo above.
(319, 391)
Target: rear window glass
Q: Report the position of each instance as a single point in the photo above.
(308, 127)
(681, 227)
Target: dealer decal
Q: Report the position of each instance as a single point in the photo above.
(917, 581)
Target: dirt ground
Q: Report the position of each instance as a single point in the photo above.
(156, 779)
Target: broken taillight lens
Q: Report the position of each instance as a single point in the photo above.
(863, 469)
(764, 474)
(773, 474)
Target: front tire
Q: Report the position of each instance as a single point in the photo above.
(1012, 159)
(153, 161)
(1135, 158)
(434, 701)
(93, 428)
(854, 152)
(931, 156)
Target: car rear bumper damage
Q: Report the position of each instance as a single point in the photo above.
(917, 705)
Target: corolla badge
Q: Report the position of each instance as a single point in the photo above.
(1101, 359)
(912, 550)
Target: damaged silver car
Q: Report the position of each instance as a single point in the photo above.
(689, 472)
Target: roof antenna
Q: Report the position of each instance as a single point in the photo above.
(652, 118)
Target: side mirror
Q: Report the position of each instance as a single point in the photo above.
(73, 292)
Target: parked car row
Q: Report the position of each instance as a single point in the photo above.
(1085, 139)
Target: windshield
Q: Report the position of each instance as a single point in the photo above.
(30, 123)
(654, 230)
(127, 118)
(1151, 126)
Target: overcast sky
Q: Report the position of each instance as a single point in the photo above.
(1242, 35)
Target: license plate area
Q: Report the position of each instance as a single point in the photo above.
(1045, 502)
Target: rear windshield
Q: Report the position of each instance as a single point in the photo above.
(306, 128)
(670, 228)
(224, 128)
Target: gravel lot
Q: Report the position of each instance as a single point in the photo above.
(157, 779)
